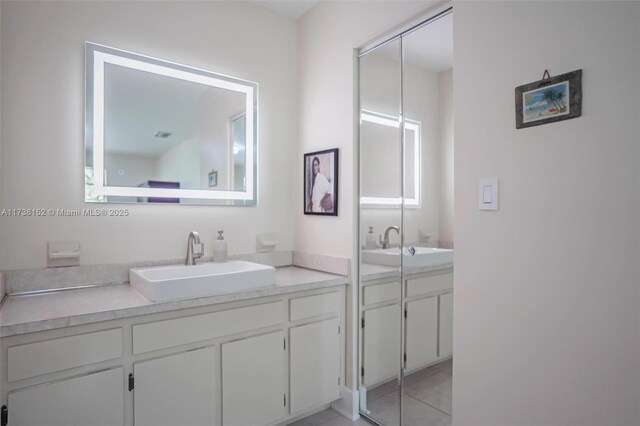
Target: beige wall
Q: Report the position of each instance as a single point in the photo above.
(546, 289)
(43, 127)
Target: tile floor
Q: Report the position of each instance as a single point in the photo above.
(427, 401)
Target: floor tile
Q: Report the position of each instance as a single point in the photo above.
(343, 421)
(432, 381)
(438, 395)
(426, 401)
(417, 413)
(381, 390)
(446, 364)
(317, 418)
(386, 409)
(424, 373)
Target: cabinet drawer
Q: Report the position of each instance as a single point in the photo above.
(380, 293)
(182, 331)
(430, 284)
(35, 359)
(311, 306)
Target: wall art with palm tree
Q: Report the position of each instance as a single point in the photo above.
(549, 100)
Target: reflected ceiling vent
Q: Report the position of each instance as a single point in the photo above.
(163, 135)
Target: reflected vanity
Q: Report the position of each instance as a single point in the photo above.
(160, 132)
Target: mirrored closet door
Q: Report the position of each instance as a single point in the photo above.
(405, 221)
(380, 232)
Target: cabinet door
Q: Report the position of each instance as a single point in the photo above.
(176, 390)
(422, 332)
(446, 325)
(253, 380)
(314, 364)
(381, 344)
(95, 399)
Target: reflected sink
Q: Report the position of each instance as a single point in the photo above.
(424, 256)
(206, 279)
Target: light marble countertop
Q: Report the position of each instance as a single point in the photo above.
(37, 312)
(369, 271)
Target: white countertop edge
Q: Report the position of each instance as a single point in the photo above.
(395, 272)
(323, 280)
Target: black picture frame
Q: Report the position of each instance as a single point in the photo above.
(320, 207)
(543, 108)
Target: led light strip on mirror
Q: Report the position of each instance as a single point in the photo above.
(97, 57)
(413, 125)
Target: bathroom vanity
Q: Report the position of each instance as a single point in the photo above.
(258, 357)
(427, 314)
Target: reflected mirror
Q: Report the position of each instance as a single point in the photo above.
(379, 131)
(158, 132)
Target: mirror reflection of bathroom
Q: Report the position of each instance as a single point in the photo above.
(380, 221)
(406, 135)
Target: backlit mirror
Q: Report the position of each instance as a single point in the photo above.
(159, 132)
(379, 136)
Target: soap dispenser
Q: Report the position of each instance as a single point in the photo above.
(220, 249)
(371, 243)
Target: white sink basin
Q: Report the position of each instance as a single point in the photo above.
(424, 256)
(206, 279)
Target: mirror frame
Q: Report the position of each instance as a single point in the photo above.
(96, 56)
(416, 127)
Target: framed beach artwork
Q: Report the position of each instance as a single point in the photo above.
(549, 100)
(321, 183)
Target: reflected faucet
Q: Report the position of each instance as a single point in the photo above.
(385, 242)
(194, 238)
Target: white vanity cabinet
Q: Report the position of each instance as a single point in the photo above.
(428, 324)
(428, 319)
(315, 359)
(177, 389)
(253, 380)
(381, 340)
(253, 362)
(99, 400)
(421, 345)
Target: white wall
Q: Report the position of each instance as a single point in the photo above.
(135, 169)
(181, 164)
(546, 289)
(43, 125)
(327, 37)
(445, 87)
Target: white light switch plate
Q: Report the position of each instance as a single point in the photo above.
(488, 194)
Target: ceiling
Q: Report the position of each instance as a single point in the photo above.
(290, 8)
(139, 104)
(429, 48)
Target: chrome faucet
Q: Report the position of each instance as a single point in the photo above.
(194, 238)
(385, 242)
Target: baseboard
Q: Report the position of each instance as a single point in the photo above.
(347, 405)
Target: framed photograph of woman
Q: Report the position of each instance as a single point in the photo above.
(321, 183)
